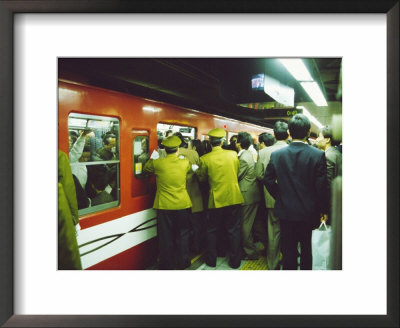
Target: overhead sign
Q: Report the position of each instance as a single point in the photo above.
(281, 112)
(257, 82)
(280, 92)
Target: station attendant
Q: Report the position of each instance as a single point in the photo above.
(221, 168)
(173, 205)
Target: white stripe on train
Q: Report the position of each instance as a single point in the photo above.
(117, 227)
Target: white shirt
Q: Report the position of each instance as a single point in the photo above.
(78, 169)
(253, 152)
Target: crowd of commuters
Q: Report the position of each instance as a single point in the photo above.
(244, 205)
(94, 184)
(240, 200)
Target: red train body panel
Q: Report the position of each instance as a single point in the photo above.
(136, 196)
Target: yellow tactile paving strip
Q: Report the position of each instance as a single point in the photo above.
(260, 264)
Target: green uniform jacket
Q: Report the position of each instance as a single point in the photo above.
(192, 183)
(221, 167)
(171, 173)
(68, 251)
(67, 181)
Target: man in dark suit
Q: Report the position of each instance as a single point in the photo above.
(296, 178)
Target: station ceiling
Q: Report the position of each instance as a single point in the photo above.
(216, 85)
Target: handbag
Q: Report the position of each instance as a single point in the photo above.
(321, 246)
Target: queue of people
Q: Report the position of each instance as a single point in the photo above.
(290, 180)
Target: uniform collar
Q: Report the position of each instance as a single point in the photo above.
(241, 152)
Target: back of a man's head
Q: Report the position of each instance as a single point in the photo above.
(299, 126)
(266, 138)
(327, 133)
(183, 142)
(281, 130)
(245, 140)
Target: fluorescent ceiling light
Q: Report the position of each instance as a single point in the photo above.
(315, 93)
(310, 117)
(297, 68)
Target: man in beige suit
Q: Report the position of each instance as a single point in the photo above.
(251, 194)
(273, 244)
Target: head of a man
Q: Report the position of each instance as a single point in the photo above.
(216, 137)
(244, 140)
(325, 140)
(281, 130)
(299, 127)
(109, 141)
(171, 144)
(265, 140)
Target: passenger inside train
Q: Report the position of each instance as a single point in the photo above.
(92, 141)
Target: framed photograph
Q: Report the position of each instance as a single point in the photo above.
(34, 34)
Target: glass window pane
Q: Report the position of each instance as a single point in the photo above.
(94, 160)
(140, 154)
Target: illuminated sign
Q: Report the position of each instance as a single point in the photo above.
(257, 82)
(279, 92)
(281, 112)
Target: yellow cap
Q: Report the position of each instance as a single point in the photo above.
(171, 142)
(217, 133)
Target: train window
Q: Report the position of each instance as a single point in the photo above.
(94, 160)
(140, 154)
(164, 129)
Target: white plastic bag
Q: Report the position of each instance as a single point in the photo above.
(321, 245)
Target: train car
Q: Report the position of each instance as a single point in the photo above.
(120, 232)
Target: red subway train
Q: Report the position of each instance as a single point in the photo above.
(120, 233)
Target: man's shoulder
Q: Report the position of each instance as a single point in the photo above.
(247, 156)
(332, 153)
(276, 151)
(315, 151)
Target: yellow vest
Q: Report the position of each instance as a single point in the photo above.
(171, 173)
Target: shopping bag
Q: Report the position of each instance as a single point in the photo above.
(321, 246)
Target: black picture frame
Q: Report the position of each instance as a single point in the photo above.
(7, 11)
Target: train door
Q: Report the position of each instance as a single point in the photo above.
(140, 140)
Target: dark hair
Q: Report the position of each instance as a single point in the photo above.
(245, 140)
(99, 177)
(159, 141)
(206, 146)
(73, 133)
(299, 125)
(183, 142)
(280, 130)
(215, 141)
(313, 135)
(171, 150)
(199, 147)
(168, 132)
(267, 138)
(107, 136)
(231, 138)
(327, 133)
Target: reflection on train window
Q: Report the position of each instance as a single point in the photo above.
(94, 160)
(140, 154)
(164, 130)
